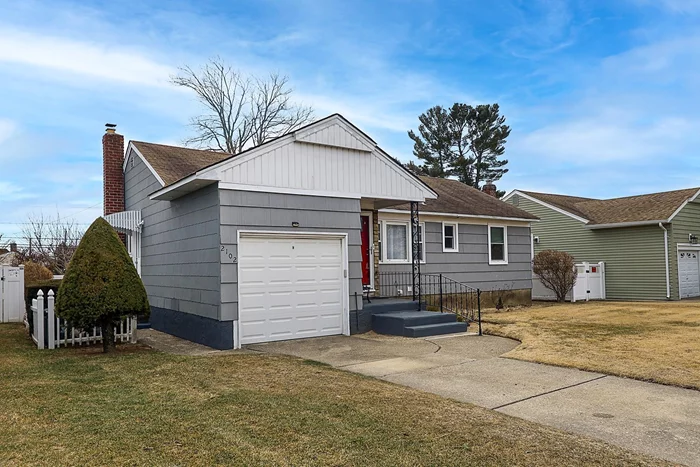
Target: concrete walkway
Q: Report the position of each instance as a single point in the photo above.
(659, 420)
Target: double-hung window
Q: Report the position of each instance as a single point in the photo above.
(498, 244)
(395, 242)
(450, 237)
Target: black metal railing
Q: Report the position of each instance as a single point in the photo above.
(437, 292)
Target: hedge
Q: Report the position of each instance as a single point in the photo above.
(31, 291)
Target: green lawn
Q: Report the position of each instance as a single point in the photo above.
(139, 407)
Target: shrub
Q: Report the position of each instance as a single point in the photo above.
(35, 272)
(556, 270)
(31, 291)
(101, 285)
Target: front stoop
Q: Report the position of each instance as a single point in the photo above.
(417, 323)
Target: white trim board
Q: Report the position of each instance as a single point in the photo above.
(684, 204)
(547, 205)
(625, 224)
(459, 216)
(133, 148)
(343, 237)
(372, 253)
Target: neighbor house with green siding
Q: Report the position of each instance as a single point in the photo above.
(649, 243)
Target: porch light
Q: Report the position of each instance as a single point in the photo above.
(692, 238)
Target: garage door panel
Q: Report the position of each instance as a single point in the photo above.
(290, 288)
(689, 273)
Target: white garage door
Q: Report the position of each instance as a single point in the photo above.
(689, 272)
(289, 288)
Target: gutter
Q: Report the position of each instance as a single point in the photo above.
(625, 224)
(668, 279)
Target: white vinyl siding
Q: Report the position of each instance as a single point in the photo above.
(336, 160)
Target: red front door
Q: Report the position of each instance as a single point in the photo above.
(365, 250)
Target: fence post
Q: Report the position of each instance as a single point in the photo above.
(39, 325)
(52, 320)
(441, 307)
(478, 299)
(134, 327)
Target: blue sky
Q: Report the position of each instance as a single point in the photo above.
(602, 96)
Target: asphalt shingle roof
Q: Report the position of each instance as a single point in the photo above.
(173, 163)
(454, 197)
(640, 208)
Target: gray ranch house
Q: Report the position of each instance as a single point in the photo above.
(292, 238)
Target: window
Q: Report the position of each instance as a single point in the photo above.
(395, 242)
(421, 243)
(449, 237)
(498, 246)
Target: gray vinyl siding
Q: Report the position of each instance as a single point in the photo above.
(471, 264)
(634, 256)
(180, 265)
(687, 221)
(245, 210)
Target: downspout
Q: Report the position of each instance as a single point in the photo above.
(668, 279)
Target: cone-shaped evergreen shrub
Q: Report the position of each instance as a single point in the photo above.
(101, 285)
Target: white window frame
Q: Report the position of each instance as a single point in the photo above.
(455, 239)
(409, 244)
(505, 244)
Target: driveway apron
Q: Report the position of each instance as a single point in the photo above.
(659, 420)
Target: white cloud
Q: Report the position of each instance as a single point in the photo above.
(83, 58)
(12, 192)
(7, 129)
(590, 141)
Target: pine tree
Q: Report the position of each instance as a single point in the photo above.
(464, 141)
(433, 146)
(101, 285)
(486, 137)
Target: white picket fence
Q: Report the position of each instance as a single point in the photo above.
(55, 332)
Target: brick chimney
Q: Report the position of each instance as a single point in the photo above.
(112, 172)
(490, 189)
(13, 247)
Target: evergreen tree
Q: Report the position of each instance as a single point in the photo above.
(433, 145)
(464, 141)
(101, 285)
(485, 137)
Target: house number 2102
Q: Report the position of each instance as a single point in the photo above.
(226, 255)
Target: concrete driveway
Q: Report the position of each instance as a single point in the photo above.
(659, 420)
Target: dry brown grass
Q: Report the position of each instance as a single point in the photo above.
(651, 341)
(138, 407)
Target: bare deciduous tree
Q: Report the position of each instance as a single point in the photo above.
(242, 110)
(50, 241)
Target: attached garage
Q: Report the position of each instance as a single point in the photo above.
(689, 273)
(291, 286)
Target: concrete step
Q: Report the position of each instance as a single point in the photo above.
(387, 305)
(395, 323)
(435, 329)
